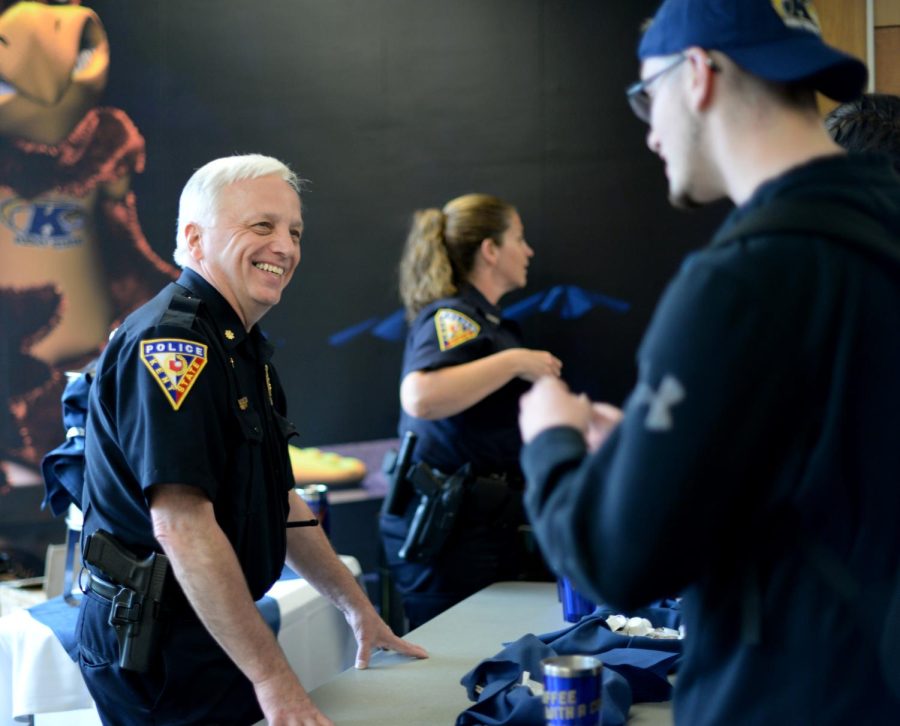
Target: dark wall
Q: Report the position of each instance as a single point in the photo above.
(386, 106)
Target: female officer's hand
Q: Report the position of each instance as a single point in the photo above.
(533, 364)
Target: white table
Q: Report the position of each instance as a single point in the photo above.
(398, 690)
(38, 679)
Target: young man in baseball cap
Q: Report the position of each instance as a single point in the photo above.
(755, 467)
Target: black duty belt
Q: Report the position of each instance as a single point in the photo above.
(101, 587)
(514, 481)
(175, 599)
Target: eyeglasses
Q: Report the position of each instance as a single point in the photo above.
(637, 94)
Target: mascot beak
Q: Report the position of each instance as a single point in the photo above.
(46, 49)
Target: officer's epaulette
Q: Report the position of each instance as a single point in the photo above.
(176, 363)
(182, 311)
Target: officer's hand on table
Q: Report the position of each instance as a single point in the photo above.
(372, 632)
(284, 702)
(533, 364)
(550, 403)
(604, 418)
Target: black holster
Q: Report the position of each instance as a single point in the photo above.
(437, 512)
(137, 610)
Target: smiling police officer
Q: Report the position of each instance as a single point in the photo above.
(187, 462)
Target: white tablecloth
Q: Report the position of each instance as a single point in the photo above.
(38, 677)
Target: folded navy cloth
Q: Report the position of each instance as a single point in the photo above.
(644, 662)
(63, 468)
(268, 608)
(494, 684)
(635, 669)
(661, 614)
(646, 671)
(288, 574)
(61, 618)
(516, 706)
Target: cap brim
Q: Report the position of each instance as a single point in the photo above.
(804, 58)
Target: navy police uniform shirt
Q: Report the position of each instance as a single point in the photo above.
(187, 396)
(449, 332)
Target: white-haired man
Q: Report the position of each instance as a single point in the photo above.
(186, 461)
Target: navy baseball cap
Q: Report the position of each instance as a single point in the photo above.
(777, 40)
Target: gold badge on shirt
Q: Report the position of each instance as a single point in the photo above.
(454, 328)
(175, 365)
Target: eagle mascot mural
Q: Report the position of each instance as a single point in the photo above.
(74, 259)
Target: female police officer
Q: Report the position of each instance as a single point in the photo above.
(464, 370)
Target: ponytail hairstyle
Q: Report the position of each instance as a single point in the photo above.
(442, 245)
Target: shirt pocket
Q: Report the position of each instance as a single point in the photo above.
(286, 430)
(285, 427)
(251, 425)
(246, 464)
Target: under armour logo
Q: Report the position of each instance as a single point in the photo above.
(661, 402)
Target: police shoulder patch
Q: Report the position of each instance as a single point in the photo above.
(454, 328)
(175, 364)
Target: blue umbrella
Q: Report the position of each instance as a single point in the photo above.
(568, 301)
(346, 335)
(392, 328)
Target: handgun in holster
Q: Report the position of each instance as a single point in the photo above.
(137, 609)
(396, 465)
(437, 512)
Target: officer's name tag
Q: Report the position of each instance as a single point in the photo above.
(175, 365)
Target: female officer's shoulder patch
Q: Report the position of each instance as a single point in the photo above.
(454, 328)
(175, 364)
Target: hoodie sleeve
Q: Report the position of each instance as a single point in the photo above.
(678, 480)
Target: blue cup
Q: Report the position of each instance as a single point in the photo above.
(573, 688)
(575, 605)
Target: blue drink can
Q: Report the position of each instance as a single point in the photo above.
(316, 498)
(575, 605)
(572, 690)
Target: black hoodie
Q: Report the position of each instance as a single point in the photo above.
(764, 424)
